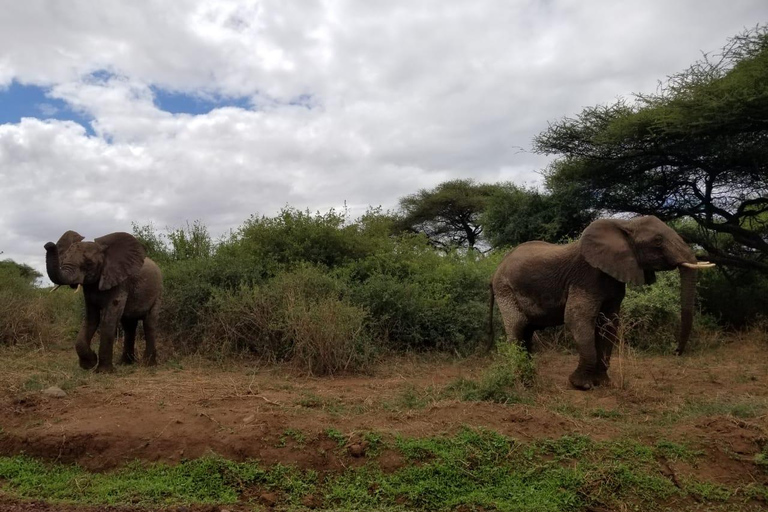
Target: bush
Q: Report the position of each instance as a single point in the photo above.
(419, 299)
(299, 316)
(413, 297)
(29, 315)
(737, 301)
(650, 315)
(505, 381)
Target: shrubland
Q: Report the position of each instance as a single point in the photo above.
(323, 291)
(330, 293)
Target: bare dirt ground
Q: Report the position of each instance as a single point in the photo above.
(714, 400)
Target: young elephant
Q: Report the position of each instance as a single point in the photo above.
(583, 283)
(119, 284)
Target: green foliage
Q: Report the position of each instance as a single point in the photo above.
(10, 268)
(318, 288)
(651, 314)
(516, 214)
(418, 298)
(206, 480)
(734, 299)
(505, 381)
(296, 237)
(695, 149)
(449, 215)
(472, 469)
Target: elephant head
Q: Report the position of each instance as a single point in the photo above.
(631, 251)
(106, 262)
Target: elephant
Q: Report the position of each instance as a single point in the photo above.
(582, 284)
(120, 284)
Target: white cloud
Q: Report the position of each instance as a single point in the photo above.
(403, 95)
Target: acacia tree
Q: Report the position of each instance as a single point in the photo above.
(449, 215)
(697, 149)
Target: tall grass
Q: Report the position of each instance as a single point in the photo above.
(32, 316)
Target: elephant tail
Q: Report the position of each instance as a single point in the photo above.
(490, 318)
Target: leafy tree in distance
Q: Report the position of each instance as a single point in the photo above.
(516, 214)
(449, 215)
(697, 149)
(22, 270)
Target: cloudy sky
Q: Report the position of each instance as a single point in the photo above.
(114, 112)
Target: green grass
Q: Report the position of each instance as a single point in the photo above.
(473, 469)
(749, 407)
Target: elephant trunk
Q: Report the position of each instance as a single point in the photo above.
(687, 300)
(56, 274)
(688, 273)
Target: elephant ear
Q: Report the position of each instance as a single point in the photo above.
(605, 244)
(67, 239)
(123, 258)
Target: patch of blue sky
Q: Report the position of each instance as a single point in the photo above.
(19, 100)
(194, 104)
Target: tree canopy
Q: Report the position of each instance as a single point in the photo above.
(516, 214)
(697, 149)
(449, 215)
(22, 270)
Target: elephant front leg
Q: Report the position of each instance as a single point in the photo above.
(580, 316)
(605, 339)
(86, 356)
(109, 320)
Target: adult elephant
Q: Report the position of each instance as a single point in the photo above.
(582, 284)
(120, 284)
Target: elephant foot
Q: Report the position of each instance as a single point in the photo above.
(581, 380)
(127, 359)
(601, 379)
(88, 361)
(150, 359)
(105, 368)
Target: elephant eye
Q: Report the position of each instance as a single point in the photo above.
(658, 240)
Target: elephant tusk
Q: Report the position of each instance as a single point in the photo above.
(78, 288)
(699, 264)
(55, 288)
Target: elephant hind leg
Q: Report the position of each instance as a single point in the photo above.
(129, 342)
(150, 333)
(516, 324)
(528, 333)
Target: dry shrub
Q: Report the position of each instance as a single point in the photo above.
(22, 321)
(29, 316)
(327, 336)
(299, 316)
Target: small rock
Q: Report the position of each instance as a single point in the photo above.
(357, 449)
(311, 501)
(55, 392)
(248, 419)
(268, 498)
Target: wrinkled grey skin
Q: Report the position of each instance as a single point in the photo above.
(119, 284)
(582, 284)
